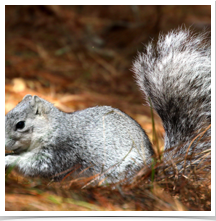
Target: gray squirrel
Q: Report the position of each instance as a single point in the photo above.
(176, 76)
(49, 143)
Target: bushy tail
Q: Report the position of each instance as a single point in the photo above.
(176, 75)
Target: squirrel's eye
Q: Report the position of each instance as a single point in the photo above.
(20, 125)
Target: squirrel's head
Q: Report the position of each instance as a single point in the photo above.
(26, 123)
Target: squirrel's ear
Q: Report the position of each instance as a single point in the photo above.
(39, 105)
(27, 97)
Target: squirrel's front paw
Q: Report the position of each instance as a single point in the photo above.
(10, 160)
(7, 160)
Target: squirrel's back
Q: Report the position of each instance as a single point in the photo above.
(176, 75)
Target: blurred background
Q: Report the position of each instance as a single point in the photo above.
(81, 56)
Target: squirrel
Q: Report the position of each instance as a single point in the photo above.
(104, 141)
(50, 143)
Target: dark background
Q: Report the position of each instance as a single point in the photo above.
(58, 50)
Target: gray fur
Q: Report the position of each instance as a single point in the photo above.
(176, 75)
(99, 138)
